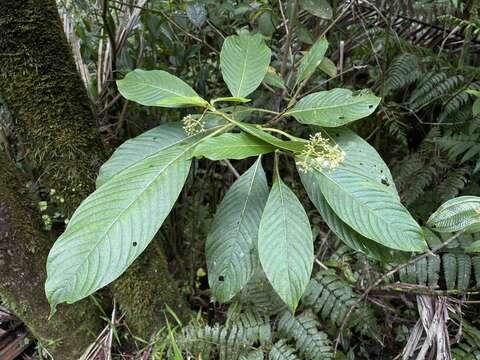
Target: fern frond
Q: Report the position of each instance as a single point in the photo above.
(466, 146)
(454, 182)
(437, 86)
(331, 298)
(229, 341)
(464, 268)
(476, 269)
(312, 343)
(457, 103)
(282, 351)
(450, 270)
(253, 355)
(402, 72)
(433, 270)
(469, 348)
(258, 294)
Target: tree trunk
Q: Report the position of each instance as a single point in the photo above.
(42, 88)
(23, 254)
(56, 125)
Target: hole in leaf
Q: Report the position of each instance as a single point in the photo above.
(135, 243)
(341, 117)
(221, 278)
(385, 182)
(370, 106)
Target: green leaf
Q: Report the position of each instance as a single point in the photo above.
(181, 101)
(344, 232)
(362, 194)
(232, 146)
(150, 87)
(456, 214)
(285, 244)
(474, 247)
(244, 60)
(231, 99)
(473, 92)
(311, 60)
(333, 108)
(197, 14)
(476, 107)
(150, 142)
(294, 146)
(231, 244)
(328, 67)
(273, 79)
(318, 8)
(112, 227)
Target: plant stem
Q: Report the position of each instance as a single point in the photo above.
(279, 132)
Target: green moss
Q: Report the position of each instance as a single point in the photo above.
(41, 87)
(23, 254)
(145, 289)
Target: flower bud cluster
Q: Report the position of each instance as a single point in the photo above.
(193, 125)
(320, 154)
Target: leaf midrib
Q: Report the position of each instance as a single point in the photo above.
(285, 235)
(367, 209)
(170, 91)
(244, 70)
(324, 107)
(179, 141)
(114, 221)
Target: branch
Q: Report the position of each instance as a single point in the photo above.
(385, 276)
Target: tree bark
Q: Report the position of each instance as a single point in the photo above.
(42, 88)
(56, 125)
(23, 254)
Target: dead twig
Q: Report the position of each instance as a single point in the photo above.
(382, 278)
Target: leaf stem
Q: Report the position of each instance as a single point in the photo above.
(291, 137)
(276, 172)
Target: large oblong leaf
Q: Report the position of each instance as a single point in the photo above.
(148, 143)
(150, 88)
(361, 193)
(231, 244)
(334, 107)
(311, 60)
(456, 214)
(244, 60)
(285, 244)
(349, 236)
(115, 224)
(140, 147)
(232, 146)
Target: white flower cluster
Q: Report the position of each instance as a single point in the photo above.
(320, 154)
(193, 126)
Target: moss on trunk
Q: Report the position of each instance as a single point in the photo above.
(145, 289)
(23, 255)
(55, 122)
(41, 87)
